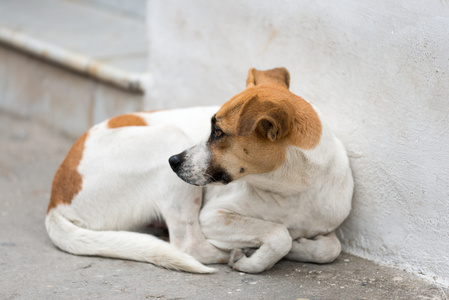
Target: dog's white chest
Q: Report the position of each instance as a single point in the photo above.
(295, 213)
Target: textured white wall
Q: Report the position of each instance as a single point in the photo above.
(134, 7)
(379, 71)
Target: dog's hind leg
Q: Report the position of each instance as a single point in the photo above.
(181, 214)
(321, 249)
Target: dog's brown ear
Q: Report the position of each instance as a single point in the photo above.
(278, 76)
(268, 119)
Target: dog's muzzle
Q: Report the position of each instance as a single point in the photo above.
(186, 169)
(194, 169)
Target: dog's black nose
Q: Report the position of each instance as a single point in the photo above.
(175, 162)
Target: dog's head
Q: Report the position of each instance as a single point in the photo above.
(250, 132)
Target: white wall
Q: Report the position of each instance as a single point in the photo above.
(379, 70)
(134, 7)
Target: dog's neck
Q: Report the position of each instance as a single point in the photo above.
(292, 177)
(300, 169)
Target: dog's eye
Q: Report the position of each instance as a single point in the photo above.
(218, 132)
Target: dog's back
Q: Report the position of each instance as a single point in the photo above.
(116, 179)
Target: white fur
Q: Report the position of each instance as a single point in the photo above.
(290, 212)
(199, 158)
(127, 184)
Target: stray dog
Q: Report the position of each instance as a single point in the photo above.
(295, 187)
(288, 183)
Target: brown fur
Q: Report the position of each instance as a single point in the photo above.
(278, 76)
(126, 120)
(67, 181)
(264, 119)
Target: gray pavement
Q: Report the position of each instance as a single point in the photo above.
(32, 268)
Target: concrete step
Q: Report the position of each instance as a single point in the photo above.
(70, 63)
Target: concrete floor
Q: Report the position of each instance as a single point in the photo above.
(32, 268)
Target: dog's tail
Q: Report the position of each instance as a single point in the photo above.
(118, 244)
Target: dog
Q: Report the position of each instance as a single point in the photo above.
(287, 179)
(270, 176)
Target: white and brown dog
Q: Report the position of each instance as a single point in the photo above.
(288, 184)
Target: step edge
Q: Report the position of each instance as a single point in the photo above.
(73, 61)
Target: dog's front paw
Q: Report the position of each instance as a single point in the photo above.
(241, 260)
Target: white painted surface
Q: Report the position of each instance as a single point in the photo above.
(134, 7)
(379, 70)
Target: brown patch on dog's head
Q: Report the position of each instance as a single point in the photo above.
(250, 132)
(126, 120)
(268, 118)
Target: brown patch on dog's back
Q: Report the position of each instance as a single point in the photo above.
(126, 120)
(67, 181)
